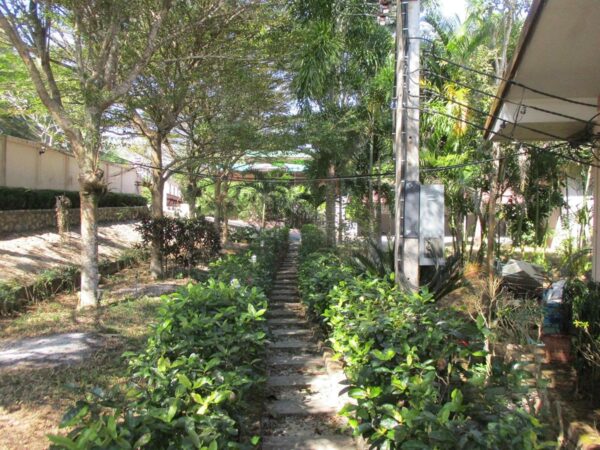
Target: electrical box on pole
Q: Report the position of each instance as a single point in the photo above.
(432, 231)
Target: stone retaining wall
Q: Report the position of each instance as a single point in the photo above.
(39, 219)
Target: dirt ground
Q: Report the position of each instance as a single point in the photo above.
(24, 256)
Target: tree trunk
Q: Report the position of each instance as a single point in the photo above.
(91, 185)
(191, 195)
(379, 221)
(156, 209)
(341, 215)
(264, 214)
(330, 206)
(224, 192)
(89, 249)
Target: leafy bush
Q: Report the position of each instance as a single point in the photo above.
(317, 276)
(185, 241)
(242, 234)
(190, 386)
(257, 266)
(581, 303)
(417, 373)
(313, 240)
(22, 198)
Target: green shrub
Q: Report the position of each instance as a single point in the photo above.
(417, 373)
(190, 386)
(185, 241)
(267, 248)
(313, 240)
(242, 234)
(23, 198)
(581, 310)
(317, 276)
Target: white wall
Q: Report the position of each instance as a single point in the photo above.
(27, 164)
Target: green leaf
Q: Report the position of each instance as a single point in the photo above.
(163, 364)
(62, 441)
(386, 355)
(222, 396)
(172, 411)
(111, 426)
(184, 380)
(213, 445)
(357, 393)
(255, 440)
(143, 440)
(74, 414)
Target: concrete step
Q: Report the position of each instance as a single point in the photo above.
(292, 332)
(288, 286)
(309, 406)
(283, 321)
(307, 361)
(285, 314)
(297, 380)
(293, 344)
(331, 442)
(284, 290)
(292, 306)
(284, 298)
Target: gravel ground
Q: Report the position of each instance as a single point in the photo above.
(23, 257)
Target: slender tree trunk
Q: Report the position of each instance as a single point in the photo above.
(379, 221)
(370, 187)
(156, 208)
(264, 214)
(220, 213)
(225, 234)
(330, 206)
(89, 249)
(191, 194)
(90, 186)
(341, 215)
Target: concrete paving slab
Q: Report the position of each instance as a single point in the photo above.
(332, 442)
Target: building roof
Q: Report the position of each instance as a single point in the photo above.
(550, 90)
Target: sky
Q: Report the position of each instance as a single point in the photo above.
(453, 7)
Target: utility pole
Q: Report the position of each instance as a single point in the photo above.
(406, 140)
(596, 212)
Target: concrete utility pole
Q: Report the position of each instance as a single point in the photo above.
(406, 139)
(596, 212)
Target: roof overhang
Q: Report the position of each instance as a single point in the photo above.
(558, 54)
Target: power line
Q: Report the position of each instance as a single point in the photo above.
(510, 81)
(484, 113)
(496, 97)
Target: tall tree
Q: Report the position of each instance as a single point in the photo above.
(340, 49)
(104, 46)
(178, 72)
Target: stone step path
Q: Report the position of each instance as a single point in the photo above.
(303, 400)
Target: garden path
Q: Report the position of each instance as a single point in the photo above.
(303, 395)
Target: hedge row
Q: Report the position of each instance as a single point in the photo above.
(193, 385)
(22, 198)
(417, 373)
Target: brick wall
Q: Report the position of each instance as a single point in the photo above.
(39, 219)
